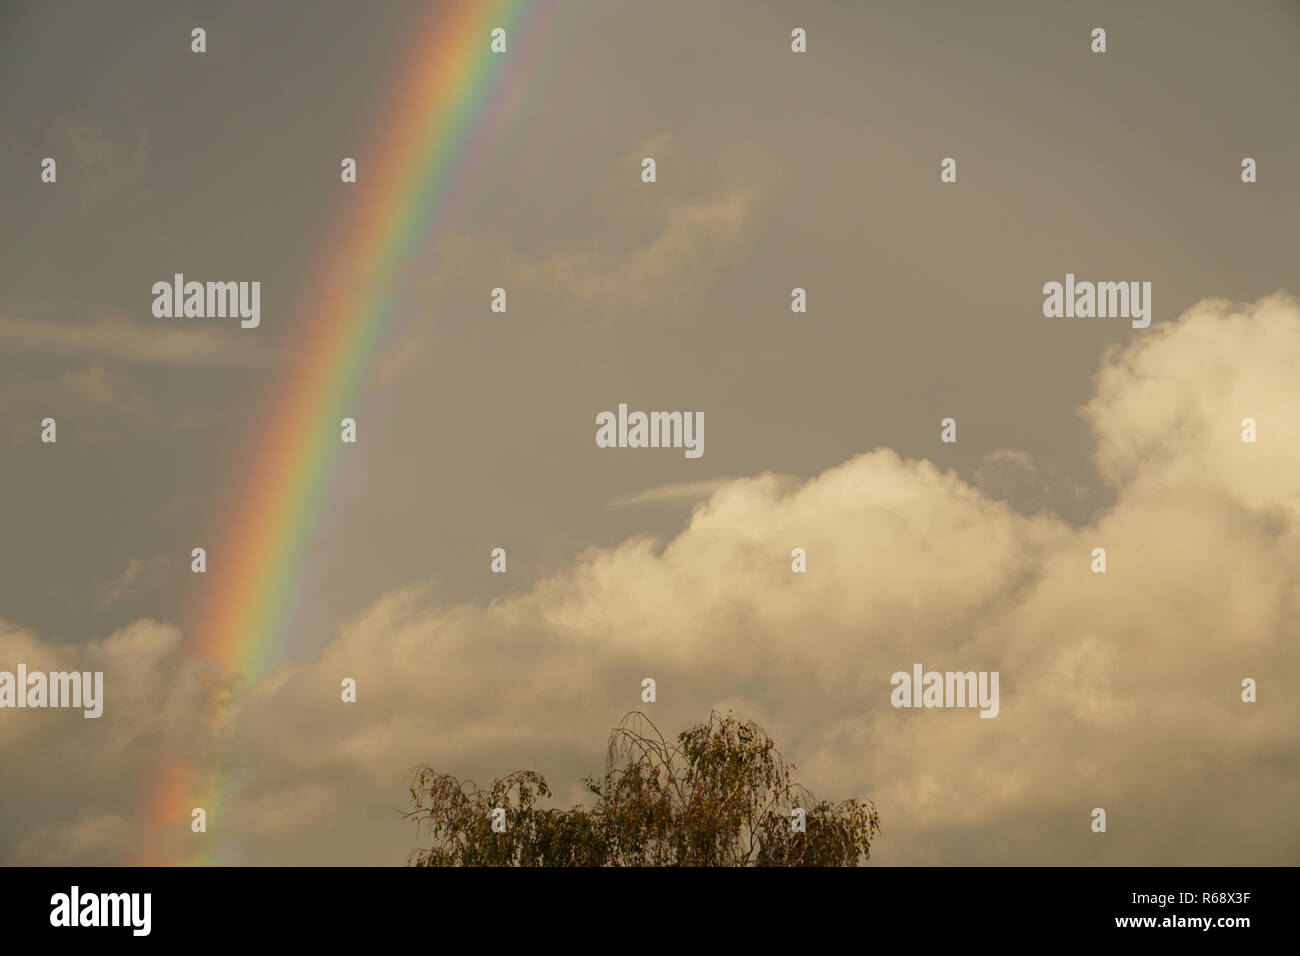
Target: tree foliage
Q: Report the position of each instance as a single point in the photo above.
(721, 795)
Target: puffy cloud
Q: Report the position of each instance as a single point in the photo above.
(74, 782)
(1168, 410)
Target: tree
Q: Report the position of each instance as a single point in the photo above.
(721, 796)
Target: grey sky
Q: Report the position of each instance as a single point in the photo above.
(774, 171)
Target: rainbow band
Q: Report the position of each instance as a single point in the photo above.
(442, 98)
(443, 89)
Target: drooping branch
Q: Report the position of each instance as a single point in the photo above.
(721, 794)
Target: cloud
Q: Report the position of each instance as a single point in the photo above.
(95, 387)
(685, 229)
(75, 783)
(101, 839)
(677, 491)
(112, 337)
(1105, 678)
(694, 233)
(102, 388)
(92, 392)
(150, 687)
(1168, 411)
(1118, 690)
(1015, 477)
(139, 576)
(95, 160)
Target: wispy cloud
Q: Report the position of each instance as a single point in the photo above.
(115, 337)
(694, 235)
(138, 576)
(675, 491)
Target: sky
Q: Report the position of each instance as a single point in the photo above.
(774, 170)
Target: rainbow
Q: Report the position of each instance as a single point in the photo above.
(447, 102)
